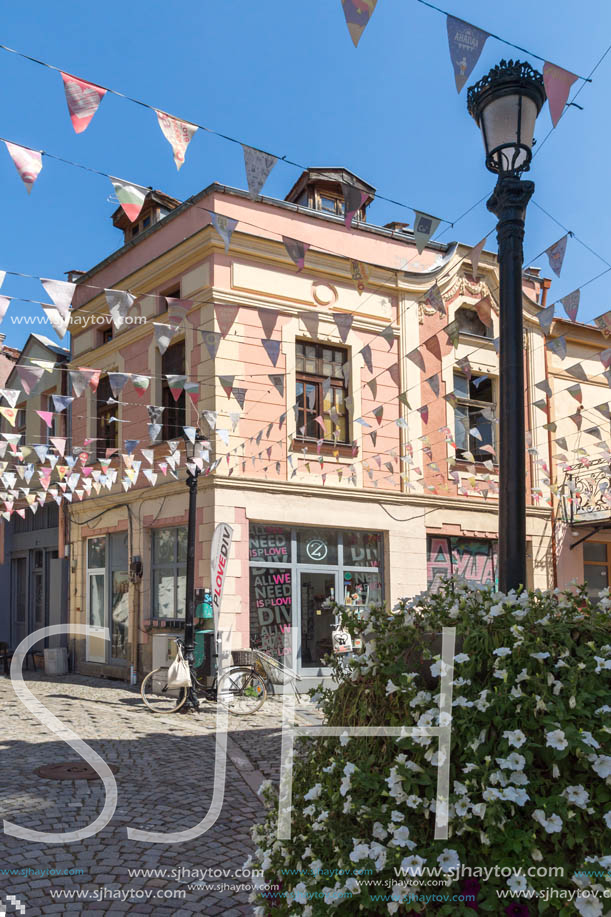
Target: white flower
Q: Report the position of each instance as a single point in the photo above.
(378, 854)
(515, 737)
(413, 801)
(556, 739)
(588, 907)
(481, 703)
(519, 778)
(589, 739)
(412, 865)
(301, 893)
(479, 809)
(344, 739)
(460, 788)
(421, 698)
(438, 758)
(516, 762)
(349, 768)
(379, 831)
(308, 811)
(462, 657)
(553, 824)
(401, 837)
(266, 785)
(462, 702)
(390, 687)
(517, 795)
(601, 765)
(397, 816)
(517, 883)
(448, 860)
(540, 656)
(462, 807)
(604, 709)
(314, 793)
(577, 795)
(607, 819)
(490, 794)
(602, 664)
(439, 668)
(536, 854)
(502, 651)
(359, 852)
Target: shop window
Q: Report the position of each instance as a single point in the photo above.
(169, 570)
(472, 428)
(596, 567)
(174, 415)
(107, 429)
(469, 322)
(317, 546)
(321, 392)
(470, 559)
(271, 610)
(269, 543)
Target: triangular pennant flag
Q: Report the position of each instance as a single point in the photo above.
(27, 162)
(544, 387)
(47, 365)
(177, 310)
(310, 320)
(91, 376)
(605, 357)
(545, 318)
(558, 346)
(258, 165)
(11, 415)
(453, 332)
(571, 304)
(47, 416)
(395, 373)
(435, 300)
(225, 227)
(119, 303)
(29, 376)
(5, 302)
(61, 292)
(374, 436)
(176, 384)
(555, 254)
(416, 357)
(476, 253)
(83, 100)
(604, 323)
(192, 390)
(466, 43)
(226, 316)
(141, 384)
(558, 84)
(240, 396)
(163, 336)
(11, 395)
(343, 320)
(78, 382)
(155, 412)
(178, 134)
(366, 354)
(58, 322)
(484, 311)
(603, 409)
(373, 385)
(41, 451)
(154, 429)
(130, 196)
(378, 413)
(424, 227)
(354, 199)
(272, 349)
(227, 384)
(296, 251)
(577, 419)
(388, 334)
(424, 413)
(130, 445)
(575, 392)
(59, 442)
(358, 13)
(117, 382)
(433, 382)
(278, 383)
(360, 275)
(577, 371)
(268, 319)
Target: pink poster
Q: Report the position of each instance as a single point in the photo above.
(83, 100)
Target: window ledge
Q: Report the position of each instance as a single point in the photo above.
(344, 450)
(479, 466)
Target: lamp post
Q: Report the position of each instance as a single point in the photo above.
(193, 451)
(505, 104)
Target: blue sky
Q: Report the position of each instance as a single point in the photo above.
(285, 77)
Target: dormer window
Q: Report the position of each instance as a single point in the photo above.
(322, 190)
(157, 205)
(331, 205)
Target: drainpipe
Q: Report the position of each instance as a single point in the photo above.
(548, 412)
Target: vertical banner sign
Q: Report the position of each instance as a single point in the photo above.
(83, 101)
(466, 44)
(219, 560)
(360, 275)
(177, 133)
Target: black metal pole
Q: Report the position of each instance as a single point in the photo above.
(192, 701)
(509, 202)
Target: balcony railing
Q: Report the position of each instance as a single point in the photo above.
(586, 493)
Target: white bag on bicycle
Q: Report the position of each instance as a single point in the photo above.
(179, 675)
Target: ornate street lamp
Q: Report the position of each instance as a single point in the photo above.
(194, 454)
(505, 104)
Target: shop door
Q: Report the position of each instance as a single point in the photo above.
(317, 592)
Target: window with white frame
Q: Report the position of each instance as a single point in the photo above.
(169, 572)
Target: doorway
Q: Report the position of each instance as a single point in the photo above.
(317, 594)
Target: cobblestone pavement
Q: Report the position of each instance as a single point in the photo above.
(164, 773)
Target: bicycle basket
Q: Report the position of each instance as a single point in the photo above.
(275, 671)
(243, 657)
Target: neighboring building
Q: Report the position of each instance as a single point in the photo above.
(351, 438)
(35, 568)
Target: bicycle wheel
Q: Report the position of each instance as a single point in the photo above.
(156, 694)
(241, 690)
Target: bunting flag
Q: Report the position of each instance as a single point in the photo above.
(11, 415)
(575, 392)
(224, 226)
(117, 382)
(395, 373)
(571, 304)
(83, 100)
(268, 319)
(227, 384)
(177, 133)
(5, 302)
(163, 336)
(424, 413)
(360, 275)
(154, 429)
(240, 396)
(61, 292)
(296, 251)
(544, 387)
(358, 13)
(27, 162)
(558, 346)
(258, 165)
(435, 300)
(577, 371)
(278, 383)
(192, 390)
(212, 340)
(130, 196)
(558, 84)
(605, 357)
(176, 384)
(11, 395)
(343, 320)
(604, 323)
(378, 413)
(373, 385)
(433, 382)
(91, 376)
(453, 333)
(475, 255)
(388, 333)
(310, 320)
(141, 384)
(466, 43)
(29, 376)
(177, 310)
(119, 303)
(155, 413)
(226, 316)
(603, 409)
(545, 319)
(58, 322)
(424, 227)
(354, 199)
(59, 442)
(555, 254)
(416, 357)
(272, 349)
(366, 354)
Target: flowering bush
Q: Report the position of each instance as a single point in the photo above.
(530, 769)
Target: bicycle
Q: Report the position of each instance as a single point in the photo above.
(240, 689)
